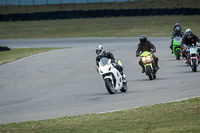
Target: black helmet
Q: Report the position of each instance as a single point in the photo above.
(178, 29)
(143, 38)
(189, 34)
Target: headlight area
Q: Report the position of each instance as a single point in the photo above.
(146, 59)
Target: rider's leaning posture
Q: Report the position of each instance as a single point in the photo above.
(146, 45)
(102, 53)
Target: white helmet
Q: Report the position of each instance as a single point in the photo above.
(99, 50)
(187, 30)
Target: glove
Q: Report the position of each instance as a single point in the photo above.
(137, 55)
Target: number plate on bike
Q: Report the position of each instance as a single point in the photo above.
(193, 50)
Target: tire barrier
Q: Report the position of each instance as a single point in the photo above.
(62, 14)
(38, 16)
(98, 13)
(102, 13)
(86, 14)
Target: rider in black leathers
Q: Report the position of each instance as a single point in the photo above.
(188, 39)
(146, 45)
(177, 25)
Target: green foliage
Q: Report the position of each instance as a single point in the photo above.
(183, 116)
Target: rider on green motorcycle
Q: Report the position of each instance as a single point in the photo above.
(146, 45)
(177, 32)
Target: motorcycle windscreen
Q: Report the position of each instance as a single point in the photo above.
(104, 61)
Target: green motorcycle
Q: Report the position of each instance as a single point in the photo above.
(147, 60)
(177, 48)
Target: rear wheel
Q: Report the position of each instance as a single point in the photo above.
(109, 86)
(178, 54)
(149, 72)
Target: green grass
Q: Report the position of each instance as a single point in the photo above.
(18, 53)
(92, 6)
(154, 26)
(175, 117)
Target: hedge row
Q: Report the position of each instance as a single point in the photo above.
(97, 13)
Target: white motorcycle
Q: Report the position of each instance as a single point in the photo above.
(192, 57)
(112, 77)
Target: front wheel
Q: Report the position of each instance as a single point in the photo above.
(109, 86)
(194, 69)
(178, 54)
(149, 72)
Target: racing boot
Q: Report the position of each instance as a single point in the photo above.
(171, 49)
(143, 69)
(123, 77)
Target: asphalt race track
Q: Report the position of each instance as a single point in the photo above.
(65, 83)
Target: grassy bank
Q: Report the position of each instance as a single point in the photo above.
(155, 26)
(18, 53)
(92, 6)
(183, 116)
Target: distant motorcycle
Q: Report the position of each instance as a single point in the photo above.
(192, 56)
(177, 48)
(148, 62)
(112, 77)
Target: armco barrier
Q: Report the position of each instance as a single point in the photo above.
(98, 13)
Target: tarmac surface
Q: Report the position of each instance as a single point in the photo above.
(65, 83)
